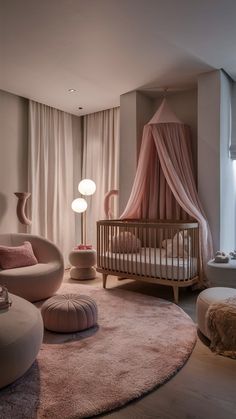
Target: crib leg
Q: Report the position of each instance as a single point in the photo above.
(176, 294)
(104, 280)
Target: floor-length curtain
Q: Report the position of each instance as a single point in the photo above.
(50, 175)
(100, 163)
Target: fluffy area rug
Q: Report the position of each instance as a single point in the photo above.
(139, 343)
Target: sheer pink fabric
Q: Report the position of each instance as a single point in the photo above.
(164, 185)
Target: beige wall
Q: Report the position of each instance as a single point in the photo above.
(13, 158)
(128, 146)
(209, 150)
(227, 175)
(215, 168)
(145, 110)
(135, 111)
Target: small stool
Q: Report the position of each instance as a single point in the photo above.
(69, 313)
(205, 299)
(83, 262)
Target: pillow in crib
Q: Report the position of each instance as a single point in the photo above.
(17, 256)
(125, 242)
(178, 247)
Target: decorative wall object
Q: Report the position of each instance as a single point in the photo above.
(107, 206)
(20, 209)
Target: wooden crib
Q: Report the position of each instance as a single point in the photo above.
(160, 252)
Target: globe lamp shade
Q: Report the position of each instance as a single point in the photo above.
(79, 205)
(87, 187)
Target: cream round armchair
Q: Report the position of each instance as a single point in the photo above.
(35, 282)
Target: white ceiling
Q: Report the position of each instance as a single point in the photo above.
(104, 48)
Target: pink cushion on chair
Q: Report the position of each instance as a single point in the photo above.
(17, 256)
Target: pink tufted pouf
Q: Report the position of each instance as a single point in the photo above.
(69, 313)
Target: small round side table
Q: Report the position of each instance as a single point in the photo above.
(222, 274)
(83, 262)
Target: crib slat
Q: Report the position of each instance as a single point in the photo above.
(155, 255)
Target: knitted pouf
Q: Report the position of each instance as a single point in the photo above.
(69, 313)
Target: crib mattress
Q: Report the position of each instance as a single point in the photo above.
(150, 262)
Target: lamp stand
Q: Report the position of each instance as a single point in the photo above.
(83, 228)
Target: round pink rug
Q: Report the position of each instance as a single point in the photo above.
(141, 341)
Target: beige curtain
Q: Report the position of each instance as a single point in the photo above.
(100, 163)
(50, 175)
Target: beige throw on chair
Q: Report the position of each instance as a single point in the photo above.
(221, 322)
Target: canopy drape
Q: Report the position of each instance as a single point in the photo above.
(164, 185)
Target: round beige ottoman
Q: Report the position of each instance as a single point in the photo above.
(69, 313)
(207, 297)
(83, 262)
(21, 335)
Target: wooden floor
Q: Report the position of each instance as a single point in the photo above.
(204, 388)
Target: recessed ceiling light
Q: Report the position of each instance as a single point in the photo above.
(71, 90)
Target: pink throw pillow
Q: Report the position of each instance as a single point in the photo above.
(17, 257)
(125, 242)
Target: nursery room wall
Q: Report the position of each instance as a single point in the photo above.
(128, 146)
(136, 109)
(13, 158)
(233, 144)
(215, 168)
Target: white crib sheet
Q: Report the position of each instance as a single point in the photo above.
(150, 262)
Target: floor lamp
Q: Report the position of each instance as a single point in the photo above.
(86, 187)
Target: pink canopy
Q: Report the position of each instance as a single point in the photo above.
(164, 185)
